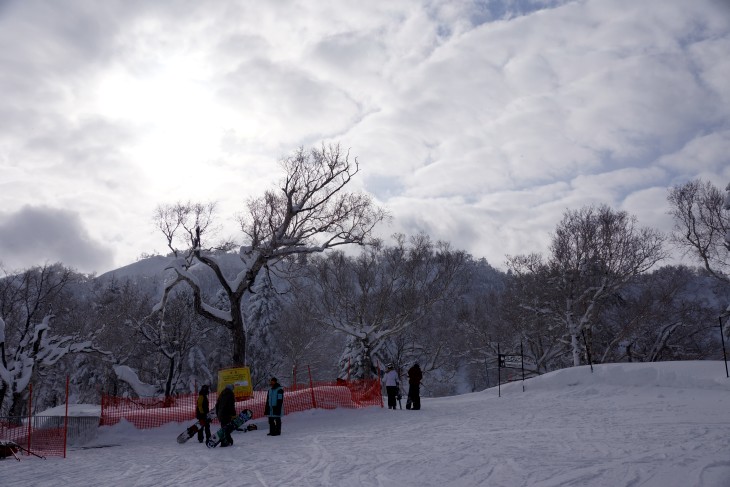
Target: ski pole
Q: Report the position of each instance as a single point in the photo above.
(30, 452)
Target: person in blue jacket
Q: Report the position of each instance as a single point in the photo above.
(274, 408)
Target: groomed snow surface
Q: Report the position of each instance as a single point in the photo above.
(660, 424)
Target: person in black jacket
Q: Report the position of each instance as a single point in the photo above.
(201, 413)
(274, 408)
(414, 384)
(225, 409)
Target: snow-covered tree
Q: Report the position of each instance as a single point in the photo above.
(37, 349)
(303, 343)
(668, 314)
(594, 252)
(173, 334)
(531, 322)
(726, 207)
(263, 354)
(27, 344)
(310, 212)
(702, 226)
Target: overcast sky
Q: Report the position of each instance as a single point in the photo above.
(477, 122)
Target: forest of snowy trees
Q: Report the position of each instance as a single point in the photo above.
(294, 294)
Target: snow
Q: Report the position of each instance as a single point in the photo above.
(657, 424)
(129, 376)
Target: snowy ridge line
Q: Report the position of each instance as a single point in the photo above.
(691, 374)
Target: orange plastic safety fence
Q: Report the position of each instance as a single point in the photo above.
(44, 437)
(151, 413)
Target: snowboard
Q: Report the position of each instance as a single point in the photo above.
(192, 430)
(237, 422)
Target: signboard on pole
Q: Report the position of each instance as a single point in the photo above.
(516, 362)
(240, 378)
(513, 361)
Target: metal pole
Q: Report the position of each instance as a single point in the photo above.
(724, 355)
(499, 374)
(522, 363)
(588, 350)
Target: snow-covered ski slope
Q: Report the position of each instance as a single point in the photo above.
(650, 425)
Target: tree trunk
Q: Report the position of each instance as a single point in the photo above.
(170, 373)
(239, 345)
(575, 345)
(237, 330)
(17, 405)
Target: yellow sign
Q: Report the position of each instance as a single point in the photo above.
(240, 377)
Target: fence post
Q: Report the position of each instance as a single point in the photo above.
(522, 364)
(380, 387)
(30, 414)
(311, 387)
(722, 337)
(65, 421)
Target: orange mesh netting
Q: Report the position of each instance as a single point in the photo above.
(153, 412)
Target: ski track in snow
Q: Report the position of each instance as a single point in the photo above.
(582, 435)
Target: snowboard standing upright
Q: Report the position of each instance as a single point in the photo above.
(223, 432)
(191, 430)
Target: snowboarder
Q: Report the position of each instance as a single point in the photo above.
(274, 408)
(414, 383)
(201, 413)
(225, 409)
(391, 385)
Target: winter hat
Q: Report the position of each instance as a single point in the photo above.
(274, 379)
(229, 387)
(389, 366)
(204, 390)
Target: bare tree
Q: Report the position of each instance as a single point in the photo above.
(385, 290)
(173, 335)
(661, 316)
(309, 213)
(702, 227)
(540, 330)
(595, 251)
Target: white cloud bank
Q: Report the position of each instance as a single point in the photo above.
(477, 121)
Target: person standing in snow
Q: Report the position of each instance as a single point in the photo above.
(414, 384)
(390, 379)
(201, 413)
(274, 408)
(225, 409)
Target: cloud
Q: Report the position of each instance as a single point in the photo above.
(478, 121)
(35, 235)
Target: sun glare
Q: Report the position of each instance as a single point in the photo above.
(180, 117)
